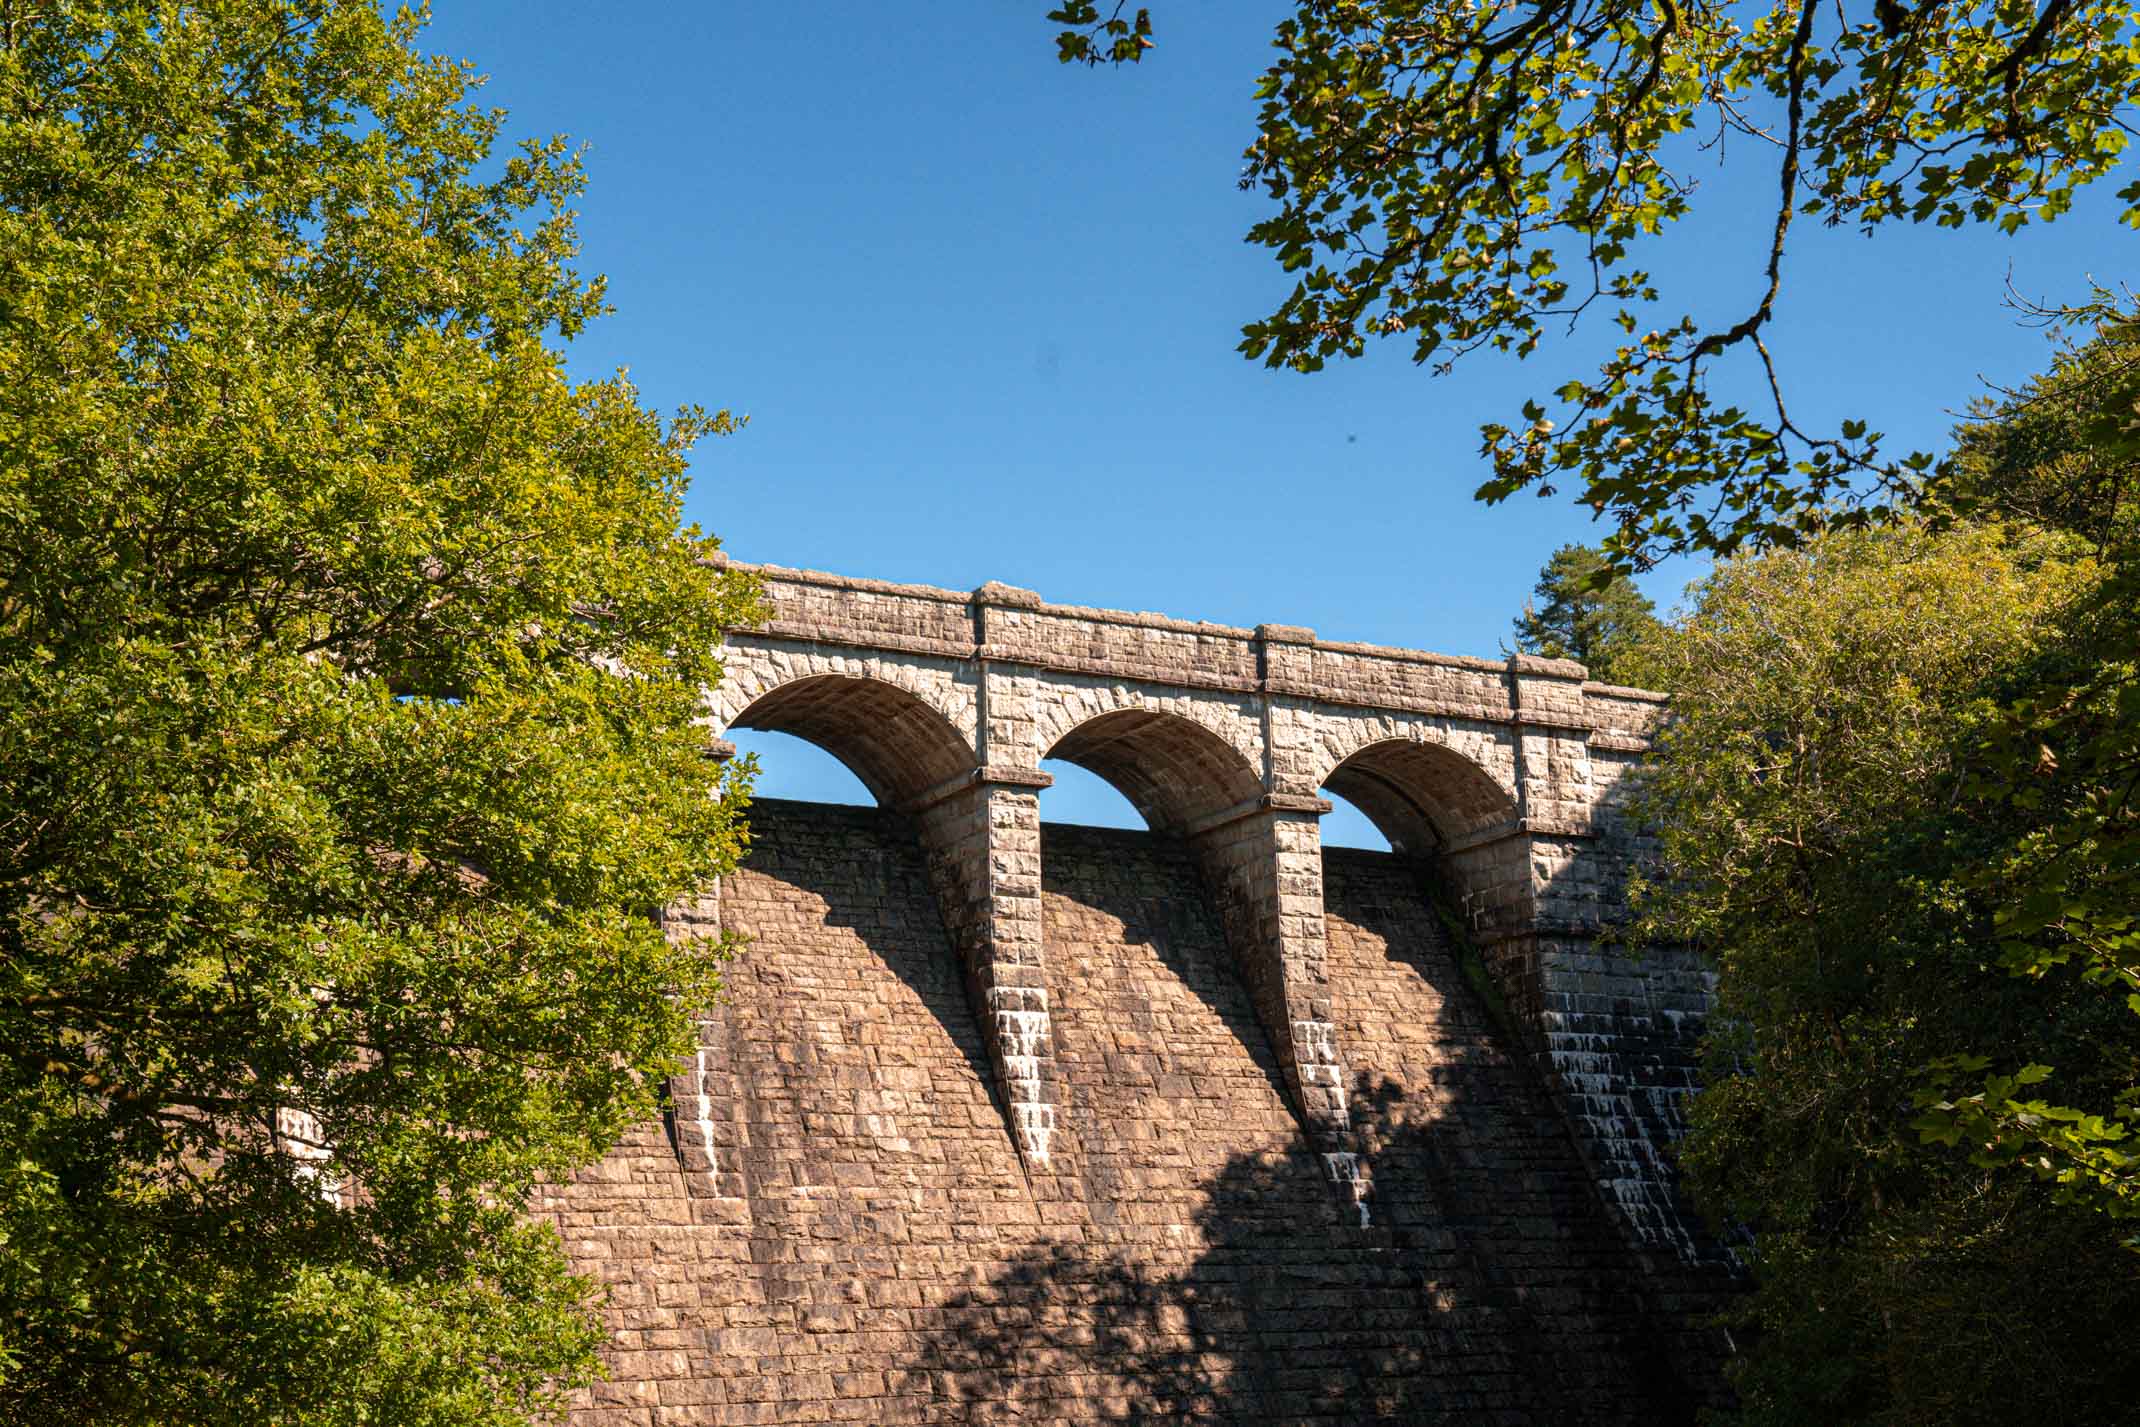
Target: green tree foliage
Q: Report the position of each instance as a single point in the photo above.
(1462, 175)
(349, 658)
(1091, 38)
(2058, 763)
(1584, 609)
(1822, 841)
(2059, 452)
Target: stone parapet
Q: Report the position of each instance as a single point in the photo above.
(1005, 623)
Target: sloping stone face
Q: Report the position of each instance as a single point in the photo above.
(839, 1222)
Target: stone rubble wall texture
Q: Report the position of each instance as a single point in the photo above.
(836, 1225)
(999, 1122)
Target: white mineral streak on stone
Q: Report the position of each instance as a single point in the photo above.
(1603, 1105)
(1022, 1034)
(1344, 1169)
(1036, 1124)
(1319, 1037)
(1315, 1047)
(705, 1127)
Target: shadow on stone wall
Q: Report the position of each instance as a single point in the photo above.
(1449, 1308)
(887, 1259)
(875, 901)
(1617, 1029)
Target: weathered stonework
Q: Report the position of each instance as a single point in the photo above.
(878, 1248)
(1004, 1122)
(1498, 776)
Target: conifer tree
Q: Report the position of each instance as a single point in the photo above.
(1583, 609)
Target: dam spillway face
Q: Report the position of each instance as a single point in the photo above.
(1004, 1122)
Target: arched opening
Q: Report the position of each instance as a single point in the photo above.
(1082, 798)
(869, 909)
(1346, 825)
(1178, 775)
(907, 888)
(797, 770)
(892, 741)
(1424, 798)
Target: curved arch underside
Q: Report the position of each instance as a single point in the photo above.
(1174, 772)
(894, 742)
(1421, 796)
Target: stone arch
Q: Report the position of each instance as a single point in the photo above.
(1070, 701)
(749, 673)
(1174, 770)
(898, 743)
(1424, 795)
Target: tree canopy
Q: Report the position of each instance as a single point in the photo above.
(350, 663)
(2056, 763)
(1462, 176)
(1893, 804)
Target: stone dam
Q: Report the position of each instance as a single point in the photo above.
(998, 1121)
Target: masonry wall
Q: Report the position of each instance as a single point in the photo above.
(1507, 776)
(835, 1224)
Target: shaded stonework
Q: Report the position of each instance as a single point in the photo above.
(839, 1222)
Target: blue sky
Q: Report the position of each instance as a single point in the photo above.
(981, 310)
